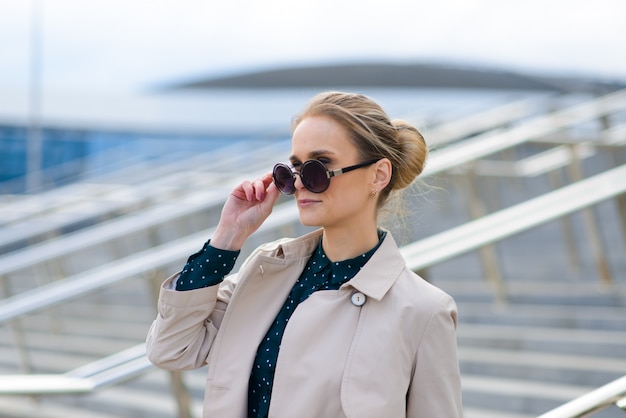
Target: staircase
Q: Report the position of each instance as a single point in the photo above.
(525, 358)
(556, 337)
(561, 331)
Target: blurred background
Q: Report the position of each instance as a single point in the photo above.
(124, 124)
(114, 65)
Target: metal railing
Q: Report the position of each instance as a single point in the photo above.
(64, 208)
(613, 393)
(424, 253)
(533, 129)
(431, 250)
(108, 371)
(521, 217)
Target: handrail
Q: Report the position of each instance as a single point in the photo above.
(450, 131)
(55, 173)
(592, 402)
(110, 230)
(112, 199)
(458, 155)
(108, 371)
(459, 128)
(518, 218)
(491, 142)
(537, 164)
(421, 254)
(54, 293)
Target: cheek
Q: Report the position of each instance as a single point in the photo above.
(349, 195)
(358, 186)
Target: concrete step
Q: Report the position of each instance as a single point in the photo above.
(87, 327)
(556, 292)
(591, 371)
(22, 407)
(519, 396)
(550, 316)
(518, 360)
(542, 339)
(147, 396)
(94, 336)
(469, 412)
(50, 353)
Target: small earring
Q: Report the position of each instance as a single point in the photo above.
(374, 193)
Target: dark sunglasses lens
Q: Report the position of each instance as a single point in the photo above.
(283, 179)
(314, 176)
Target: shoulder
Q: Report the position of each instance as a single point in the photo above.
(421, 294)
(290, 247)
(281, 251)
(419, 308)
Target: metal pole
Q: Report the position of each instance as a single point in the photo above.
(34, 135)
(566, 224)
(590, 222)
(487, 253)
(19, 335)
(180, 392)
(617, 159)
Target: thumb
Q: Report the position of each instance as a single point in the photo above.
(271, 195)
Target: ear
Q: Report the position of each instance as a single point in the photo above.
(382, 174)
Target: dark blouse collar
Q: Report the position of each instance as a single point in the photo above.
(342, 271)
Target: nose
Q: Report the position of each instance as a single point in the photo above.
(298, 180)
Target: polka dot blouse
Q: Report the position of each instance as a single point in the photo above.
(207, 267)
(319, 274)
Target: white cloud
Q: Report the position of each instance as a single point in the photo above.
(108, 44)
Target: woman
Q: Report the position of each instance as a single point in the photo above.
(330, 324)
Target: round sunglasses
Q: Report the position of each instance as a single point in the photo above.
(313, 173)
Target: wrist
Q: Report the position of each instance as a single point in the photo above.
(226, 239)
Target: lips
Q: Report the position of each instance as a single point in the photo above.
(307, 202)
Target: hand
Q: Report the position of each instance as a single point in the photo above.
(245, 210)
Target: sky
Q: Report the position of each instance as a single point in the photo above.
(104, 46)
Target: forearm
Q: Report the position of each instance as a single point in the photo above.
(229, 239)
(207, 267)
(182, 333)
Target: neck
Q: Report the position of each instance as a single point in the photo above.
(343, 244)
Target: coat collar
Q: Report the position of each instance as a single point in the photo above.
(374, 279)
(381, 271)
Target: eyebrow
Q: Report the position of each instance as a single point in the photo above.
(314, 154)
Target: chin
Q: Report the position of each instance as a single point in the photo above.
(308, 220)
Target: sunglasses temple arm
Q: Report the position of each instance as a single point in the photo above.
(333, 173)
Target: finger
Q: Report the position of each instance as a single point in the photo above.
(245, 190)
(255, 189)
(271, 196)
(267, 179)
(263, 185)
(272, 193)
(258, 190)
(272, 189)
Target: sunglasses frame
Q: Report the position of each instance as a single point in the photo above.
(329, 173)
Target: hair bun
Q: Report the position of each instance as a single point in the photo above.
(413, 152)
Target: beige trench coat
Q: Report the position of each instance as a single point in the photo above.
(393, 356)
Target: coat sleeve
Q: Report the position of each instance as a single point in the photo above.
(435, 389)
(186, 324)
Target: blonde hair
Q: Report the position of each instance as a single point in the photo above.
(374, 135)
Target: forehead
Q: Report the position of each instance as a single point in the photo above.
(321, 133)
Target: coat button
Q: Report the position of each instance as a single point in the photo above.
(358, 299)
